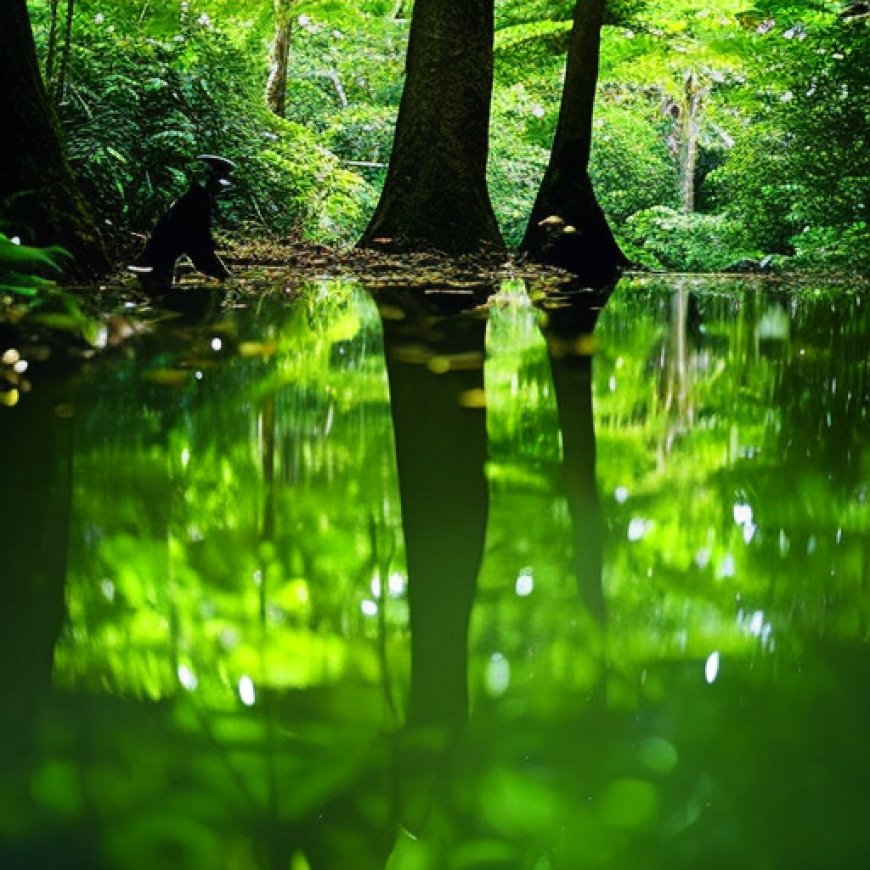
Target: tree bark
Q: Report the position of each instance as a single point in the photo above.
(58, 87)
(435, 196)
(566, 190)
(689, 131)
(279, 56)
(52, 41)
(39, 198)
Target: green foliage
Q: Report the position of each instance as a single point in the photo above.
(530, 45)
(797, 177)
(22, 267)
(362, 133)
(781, 156)
(31, 297)
(510, 13)
(664, 238)
(630, 165)
(149, 91)
(841, 248)
(755, 185)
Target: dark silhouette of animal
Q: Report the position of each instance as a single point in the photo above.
(185, 230)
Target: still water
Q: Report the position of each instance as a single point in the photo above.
(445, 581)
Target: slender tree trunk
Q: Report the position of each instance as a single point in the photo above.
(59, 86)
(566, 190)
(279, 57)
(566, 328)
(39, 198)
(691, 113)
(435, 195)
(52, 42)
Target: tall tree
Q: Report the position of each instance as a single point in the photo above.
(39, 198)
(279, 56)
(566, 190)
(435, 195)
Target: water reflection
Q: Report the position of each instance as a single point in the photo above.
(295, 531)
(434, 346)
(568, 328)
(35, 508)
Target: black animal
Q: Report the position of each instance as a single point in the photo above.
(185, 230)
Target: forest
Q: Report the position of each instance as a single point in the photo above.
(434, 435)
(724, 137)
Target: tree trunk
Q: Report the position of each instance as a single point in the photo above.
(39, 198)
(279, 56)
(435, 196)
(59, 86)
(566, 190)
(691, 115)
(52, 42)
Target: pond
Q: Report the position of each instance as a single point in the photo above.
(445, 580)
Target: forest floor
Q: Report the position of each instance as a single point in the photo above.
(258, 267)
(280, 268)
(86, 319)
(75, 322)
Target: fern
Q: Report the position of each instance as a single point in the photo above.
(21, 265)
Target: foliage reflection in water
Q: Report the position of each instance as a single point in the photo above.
(382, 580)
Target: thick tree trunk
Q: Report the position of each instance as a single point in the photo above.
(435, 195)
(439, 422)
(39, 198)
(279, 56)
(566, 190)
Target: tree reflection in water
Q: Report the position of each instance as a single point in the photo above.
(237, 609)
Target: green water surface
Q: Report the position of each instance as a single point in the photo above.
(451, 580)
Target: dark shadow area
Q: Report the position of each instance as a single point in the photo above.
(570, 318)
(434, 345)
(36, 474)
(185, 230)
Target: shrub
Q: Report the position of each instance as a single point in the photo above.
(840, 248)
(144, 98)
(22, 268)
(363, 133)
(630, 165)
(663, 238)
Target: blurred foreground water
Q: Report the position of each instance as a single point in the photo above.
(445, 580)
